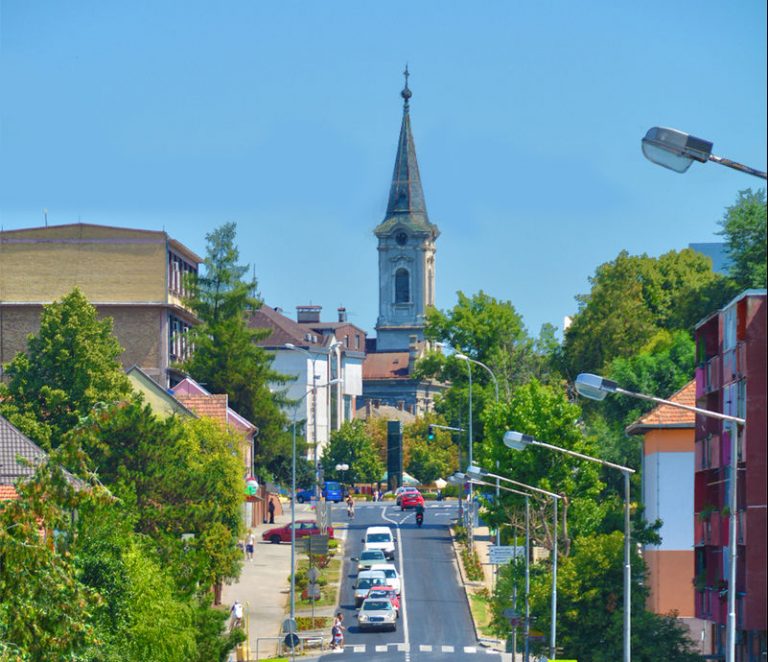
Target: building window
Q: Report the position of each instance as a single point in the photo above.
(179, 271)
(402, 286)
(357, 341)
(178, 341)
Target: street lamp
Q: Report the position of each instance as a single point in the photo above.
(313, 358)
(293, 500)
(518, 441)
(471, 505)
(676, 150)
(342, 468)
(477, 472)
(596, 388)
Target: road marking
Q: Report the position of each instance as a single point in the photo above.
(447, 649)
(359, 649)
(403, 648)
(425, 648)
(404, 618)
(381, 648)
(470, 649)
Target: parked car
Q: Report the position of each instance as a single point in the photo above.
(368, 557)
(387, 592)
(305, 495)
(365, 581)
(377, 613)
(390, 572)
(303, 528)
(380, 537)
(411, 499)
(403, 490)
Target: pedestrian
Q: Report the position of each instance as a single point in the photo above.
(249, 542)
(337, 635)
(271, 509)
(237, 616)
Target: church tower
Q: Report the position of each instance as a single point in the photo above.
(406, 249)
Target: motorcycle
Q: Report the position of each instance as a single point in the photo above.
(419, 519)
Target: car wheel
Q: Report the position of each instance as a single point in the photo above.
(275, 539)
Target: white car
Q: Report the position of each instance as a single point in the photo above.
(380, 537)
(377, 613)
(365, 581)
(390, 573)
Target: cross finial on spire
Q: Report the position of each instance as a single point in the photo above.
(406, 93)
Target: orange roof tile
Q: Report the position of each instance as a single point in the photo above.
(663, 416)
(211, 406)
(8, 492)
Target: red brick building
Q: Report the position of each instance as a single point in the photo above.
(731, 378)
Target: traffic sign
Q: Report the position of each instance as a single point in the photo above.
(503, 554)
(289, 625)
(313, 592)
(316, 544)
(313, 574)
(291, 640)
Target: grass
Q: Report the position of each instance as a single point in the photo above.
(481, 611)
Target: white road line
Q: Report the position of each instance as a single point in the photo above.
(470, 649)
(403, 648)
(425, 648)
(381, 648)
(404, 617)
(358, 649)
(447, 649)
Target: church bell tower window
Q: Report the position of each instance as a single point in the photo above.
(402, 286)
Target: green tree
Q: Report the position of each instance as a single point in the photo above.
(744, 229)
(428, 459)
(227, 358)
(632, 298)
(351, 445)
(70, 365)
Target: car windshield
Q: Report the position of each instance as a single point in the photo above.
(378, 594)
(367, 582)
(379, 537)
(376, 605)
(372, 554)
(390, 573)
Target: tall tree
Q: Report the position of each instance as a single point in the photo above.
(226, 357)
(351, 445)
(70, 365)
(744, 229)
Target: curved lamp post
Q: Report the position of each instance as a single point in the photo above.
(293, 499)
(477, 472)
(676, 150)
(596, 388)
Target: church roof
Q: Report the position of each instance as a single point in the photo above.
(406, 206)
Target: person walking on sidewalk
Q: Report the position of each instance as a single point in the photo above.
(249, 543)
(271, 510)
(237, 616)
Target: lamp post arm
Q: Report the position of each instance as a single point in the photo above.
(490, 372)
(605, 463)
(737, 166)
(523, 485)
(697, 410)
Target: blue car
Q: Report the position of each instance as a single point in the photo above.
(305, 495)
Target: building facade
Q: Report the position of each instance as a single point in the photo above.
(667, 487)
(136, 277)
(328, 350)
(731, 378)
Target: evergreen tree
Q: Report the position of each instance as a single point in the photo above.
(744, 229)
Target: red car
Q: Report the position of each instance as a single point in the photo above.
(386, 592)
(411, 500)
(304, 527)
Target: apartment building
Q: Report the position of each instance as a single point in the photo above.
(136, 277)
(731, 378)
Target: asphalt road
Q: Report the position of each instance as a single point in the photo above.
(435, 622)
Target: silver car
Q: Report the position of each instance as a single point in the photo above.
(365, 581)
(377, 613)
(368, 557)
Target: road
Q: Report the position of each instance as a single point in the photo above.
(435, 622)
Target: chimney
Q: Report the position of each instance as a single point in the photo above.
(368, 408)
(342, 313)
(400, 405)
(308, 314)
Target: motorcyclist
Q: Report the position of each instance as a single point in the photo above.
(419, 514)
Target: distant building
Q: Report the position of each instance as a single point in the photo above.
(731, 378)
(331, 350)
(667, 486)
(136, 277)
(406, 249)
(717, 252)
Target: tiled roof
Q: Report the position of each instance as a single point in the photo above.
(7, 492)
(12, 444)
(211, 405)
(384, 411)
(284, 329)
(386, 365)
(666, 416)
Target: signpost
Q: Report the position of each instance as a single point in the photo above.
(503, 554)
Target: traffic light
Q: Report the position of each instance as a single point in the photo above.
(430, 432)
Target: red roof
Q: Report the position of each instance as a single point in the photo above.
(8, 493)
(667, 416)
(386, 365)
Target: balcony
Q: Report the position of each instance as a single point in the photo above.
(710, 529)
(711, 606)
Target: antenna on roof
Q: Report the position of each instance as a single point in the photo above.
(45, 216)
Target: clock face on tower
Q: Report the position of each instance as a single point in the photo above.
(401, 238)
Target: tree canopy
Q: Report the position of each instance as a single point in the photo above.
(351, 445)
(744, 229)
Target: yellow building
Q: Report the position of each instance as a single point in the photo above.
(136, 277)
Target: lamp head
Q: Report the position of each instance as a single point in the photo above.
(289, 345)
(337, 380)
(674, 149)
(594, 387)
(461, 357)
(475, 472)
(516, 440)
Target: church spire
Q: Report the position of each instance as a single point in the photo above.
(406, 195)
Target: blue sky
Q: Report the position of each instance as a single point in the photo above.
(284, 116)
